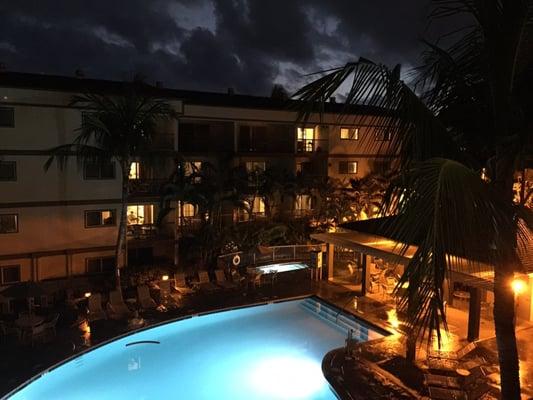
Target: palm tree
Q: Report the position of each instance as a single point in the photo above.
(472, 93)
(116, 128)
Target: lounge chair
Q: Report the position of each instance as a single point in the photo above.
(116, 306)
(223, 282)
(167, 298)
(448, 360)
(448, 382)
(95, 308)
(145, 300)
(181, 285)
(205, 284)
(50, 324)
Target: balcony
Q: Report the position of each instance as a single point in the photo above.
(308, 146)
(146, 187)
(144, 232)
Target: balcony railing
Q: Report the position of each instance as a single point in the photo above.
(148, 232)
(143, 187)
(311, 145)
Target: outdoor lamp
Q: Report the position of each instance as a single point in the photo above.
(87, 294)
(164, 278)
(519, 285)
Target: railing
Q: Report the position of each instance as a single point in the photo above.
(147, 231)
(265, 255)
(146, 186)
(311, 145)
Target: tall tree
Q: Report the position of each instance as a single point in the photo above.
(472, 114)
(115, 128)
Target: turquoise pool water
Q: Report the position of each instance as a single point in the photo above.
(268, 352)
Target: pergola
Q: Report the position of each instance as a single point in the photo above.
(476, 275)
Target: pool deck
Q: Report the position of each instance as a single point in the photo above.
(375, 372)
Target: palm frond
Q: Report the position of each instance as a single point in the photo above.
(389, 106)
(457, 222)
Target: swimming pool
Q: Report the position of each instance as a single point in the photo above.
(283, 267)
(272, 351)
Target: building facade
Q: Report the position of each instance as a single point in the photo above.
(63, 223)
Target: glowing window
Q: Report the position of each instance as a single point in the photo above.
(135, 170)
(254, 166)
(303, 202)
(349, 133)
(258, 206)
(139, 214)
(348, 167)
(306, 137)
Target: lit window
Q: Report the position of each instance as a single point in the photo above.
(350, 133)
(306, 137)
(96, 218)
(258, 206)
(9, 274)
(9, 223)
(7, 117)
(255, 166)
(8, 171)
(99, 171)
(303, 202)
(135, 170)
(348, 167)
(139, 214)
(192, 167)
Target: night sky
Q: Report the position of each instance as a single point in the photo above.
(208, 44)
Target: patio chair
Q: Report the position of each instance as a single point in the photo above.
(254, 277)
(37, 332)
(95, 308)
(167, 298)
(50, 324)
(180, 284)
(116, 306)
(145, 300)
(205, 284)
(223, 282)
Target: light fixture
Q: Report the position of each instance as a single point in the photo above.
(87, 294)
(164, 278)
(519, 286)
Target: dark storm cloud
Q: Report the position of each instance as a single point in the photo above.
(207, 44)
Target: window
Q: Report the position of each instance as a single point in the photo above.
(349, 133)
(383, 136)
(8, 171)
(192, 167)
(98, 218)
(255, 166)
(9, 223)
(99, 171)
(304, 202)
(348, 167)
(258, 206)
(9, 274)
(135, 170)
(140, 214)
(100, 265)
(306, 137)
(188, 210)
(7, 117)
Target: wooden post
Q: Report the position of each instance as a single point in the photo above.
(331, 253)
(364, 277)
(474, 314)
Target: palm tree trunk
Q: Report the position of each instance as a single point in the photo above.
(504, 324)
(121, 251)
